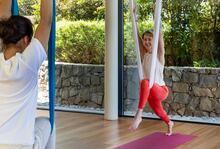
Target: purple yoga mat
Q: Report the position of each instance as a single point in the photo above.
(157, 140)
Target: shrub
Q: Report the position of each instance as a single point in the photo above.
(80, 42)
(80, 9)
(84, 42)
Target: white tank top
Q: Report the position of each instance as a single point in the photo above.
(159, 69)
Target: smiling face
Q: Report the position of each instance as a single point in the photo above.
(147, 40)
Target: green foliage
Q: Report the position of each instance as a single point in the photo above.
(36, 13)
(83, 41)
(80, 42)
(30, 8)
(144, 9)
(193, 26)
(191, 30)
(26, 7)
(80, 9)
(206, 63)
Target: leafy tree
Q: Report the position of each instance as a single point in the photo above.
(193, 34)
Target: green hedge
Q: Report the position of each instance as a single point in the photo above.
(80, 42)
(84, 42)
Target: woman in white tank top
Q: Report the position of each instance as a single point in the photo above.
(159, 91)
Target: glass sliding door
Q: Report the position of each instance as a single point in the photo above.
(192, 63)
(79, 57)
(131, 76)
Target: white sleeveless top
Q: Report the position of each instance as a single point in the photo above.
(159, 69)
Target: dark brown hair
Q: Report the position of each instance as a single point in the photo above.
(14, 29)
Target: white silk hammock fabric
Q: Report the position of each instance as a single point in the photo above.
(135, 35)
(157, 17)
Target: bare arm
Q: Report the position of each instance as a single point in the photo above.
(5, 9)
(140, 41)
(43, 29)
(161, 50)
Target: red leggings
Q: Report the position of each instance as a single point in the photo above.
(154, 96)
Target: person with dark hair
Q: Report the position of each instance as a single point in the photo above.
(13, 29)
(21, 56)
(159, 91)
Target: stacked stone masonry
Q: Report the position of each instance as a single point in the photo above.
(192, 91)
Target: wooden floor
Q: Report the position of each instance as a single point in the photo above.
(90, 131)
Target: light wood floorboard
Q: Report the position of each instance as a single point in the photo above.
(90, 131)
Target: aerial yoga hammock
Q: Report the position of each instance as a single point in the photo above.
(155, 46)
(152, 87)
(51, 59)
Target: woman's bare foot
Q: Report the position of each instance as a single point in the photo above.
(170, 128)
(135, 124)
(137, 120)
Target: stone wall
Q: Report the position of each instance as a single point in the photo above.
(193, 91)
(76, 84)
